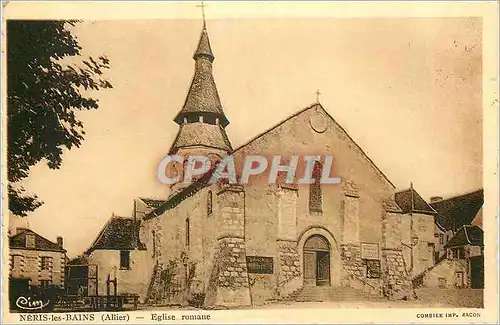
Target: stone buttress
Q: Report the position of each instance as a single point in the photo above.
(397, 281)
(228, 283)
(352, 265)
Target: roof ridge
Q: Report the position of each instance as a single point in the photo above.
(34, 232)
(276, 125)
(426, 203)
(99, 235)
(149, 198)
(120, 217)
(459, 195)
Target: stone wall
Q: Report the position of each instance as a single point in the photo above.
(354, 271)
(396, 278)
(352, 265)
(228, 284)
(232, 262)
(289, 270)
(443, 274)
(397, 282)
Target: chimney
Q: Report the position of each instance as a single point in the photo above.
(436, 198)
(60, 242)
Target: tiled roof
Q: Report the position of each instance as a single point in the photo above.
(467, 235)
(457, 211)
(118, 234)
(410, 201)
(201, 134)
(19, 241)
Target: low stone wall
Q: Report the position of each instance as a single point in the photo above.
(443, 274)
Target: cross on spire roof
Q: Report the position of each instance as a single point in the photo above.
(317, 95)
(202, 6)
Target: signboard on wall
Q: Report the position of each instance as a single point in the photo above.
(369, 251)
(260, 265)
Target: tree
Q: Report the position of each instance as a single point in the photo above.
(43, 95)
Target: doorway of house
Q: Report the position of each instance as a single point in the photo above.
(317, 261)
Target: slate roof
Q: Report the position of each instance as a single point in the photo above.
(204, 47)
(391, 206)
(410, 201)
(467, 235)
(458, 211)
(153, 203)
(18, 241)
(203, 96)
(119, 233)
(201, 134)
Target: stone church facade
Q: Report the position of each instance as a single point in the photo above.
(225, 245)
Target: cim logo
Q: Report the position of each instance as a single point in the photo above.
(29, 304)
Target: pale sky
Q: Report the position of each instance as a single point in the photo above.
(408, 91)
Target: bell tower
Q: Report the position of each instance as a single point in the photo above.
(201, 120)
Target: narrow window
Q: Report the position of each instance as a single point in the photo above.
(315, 193)
(16, 262)
(125, 260)
(154, 243)
(30, 240)
(187, 232)
(209, 203)
(45, 263)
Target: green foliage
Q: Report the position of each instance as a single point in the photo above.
(43, 96)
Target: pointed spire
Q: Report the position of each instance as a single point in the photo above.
(201, 119)
(203, 97)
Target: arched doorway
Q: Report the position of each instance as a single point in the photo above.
(317, 261)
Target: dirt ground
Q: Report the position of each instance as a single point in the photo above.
(427, 298)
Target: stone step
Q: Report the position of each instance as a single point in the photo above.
(326, 293)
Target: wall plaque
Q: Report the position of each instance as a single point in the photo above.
(369, 251)
(260, 265)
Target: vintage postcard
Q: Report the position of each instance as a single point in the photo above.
(249, 162)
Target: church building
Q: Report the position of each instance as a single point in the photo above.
(226, 245)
